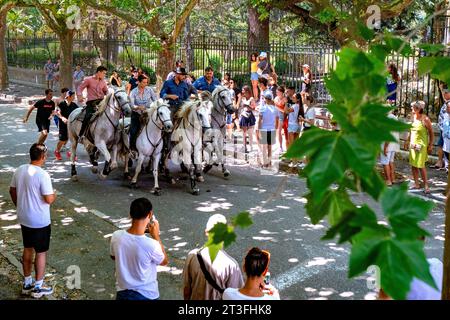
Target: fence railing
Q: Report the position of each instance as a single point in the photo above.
(224, 55)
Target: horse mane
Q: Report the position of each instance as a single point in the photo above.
(101, 107)
(186, 109)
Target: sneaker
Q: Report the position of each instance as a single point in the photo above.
(69, 154)
(43, 290)
(58, 155)
(26, 289)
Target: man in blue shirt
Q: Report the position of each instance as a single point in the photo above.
(207, 82)
(176, 90)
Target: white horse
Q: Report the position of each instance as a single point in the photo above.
(103, 130)
(194, 118)
(149, 143)
(214, 138)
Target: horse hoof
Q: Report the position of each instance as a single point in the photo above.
(133, 185)
(74, 178)
(127, 176)
(207, 168)
(102, 176)
(94, 169)
(226, 173)
(172, 181)
(200, 179)
(157, 192)
(196, 192)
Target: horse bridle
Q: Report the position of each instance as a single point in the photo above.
(222, 106)
(158, 117)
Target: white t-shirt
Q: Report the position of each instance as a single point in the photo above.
(32, 183)
(234, 294)
(293, 116)
(269, 113)
(136, 259)
(422, 291)
(393, 146)
(310, 114)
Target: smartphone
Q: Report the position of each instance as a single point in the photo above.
(267, 279)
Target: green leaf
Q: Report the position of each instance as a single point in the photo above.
(426, 64)
(372, 183)
(213, 248)
(365, 32)
(222, 232)
(362, 256)
(380, 51)
(404, 212)
(432, 48)
(332, 205)
(243, 220)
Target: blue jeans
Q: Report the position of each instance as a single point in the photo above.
(131, 295)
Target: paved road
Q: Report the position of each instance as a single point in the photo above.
(88, 211)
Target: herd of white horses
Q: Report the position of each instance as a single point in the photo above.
(196, 139)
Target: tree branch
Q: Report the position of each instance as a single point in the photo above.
(49, 18)
(181, 20)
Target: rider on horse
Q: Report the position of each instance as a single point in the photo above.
(140, 99)
(96, 90)
(207, 82)
(176, 90)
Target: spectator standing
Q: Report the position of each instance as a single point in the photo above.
(32, 193)
(65, 108)
(263, 88)
(45, 108)
(206, 280)
(78, 77)
(420, 143)
(264, 68)
(56, 68)
(132, 82)
(442, 162)
(254, 61)
(293, 112)
(446, 132)
(247, 118)
(115, 79)
(306, 80)
(257, 286)
(281, 104)
(392, 82)
(49, 70)
(206, 82)
(136, 256)
(309, 119)
(268, 122)
(387, 156)
(226, 79)
(58, 100)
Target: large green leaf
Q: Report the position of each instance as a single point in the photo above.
(333, 205)
(404, 212)
(243, 220)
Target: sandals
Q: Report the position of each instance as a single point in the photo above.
(427, 191)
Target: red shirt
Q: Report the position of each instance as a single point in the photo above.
(96, 89)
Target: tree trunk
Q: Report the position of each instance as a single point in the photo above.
(258, 31)
(446, 261)
(66, 56)
(114, 46)
(166, 59)
(4, 79)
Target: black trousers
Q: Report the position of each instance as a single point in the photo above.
(91, 107)
(135, 126)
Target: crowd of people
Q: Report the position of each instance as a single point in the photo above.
(265, 112)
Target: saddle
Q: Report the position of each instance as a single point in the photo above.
(94, 116)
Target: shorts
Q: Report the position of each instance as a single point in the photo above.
(43, 124)
(254, 76)
(385, 160)
(36, 238)
(63, 133)
(249, 121)
(293, 128)
(441, 140)
(267, 137)
(229, 119)
(49, 77)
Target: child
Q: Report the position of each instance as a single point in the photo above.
(268, 123)
(388, 150)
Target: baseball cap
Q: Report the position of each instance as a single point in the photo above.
(214, 219)
(180, 70)
(70, 93)
(268, 95)
(263, 54)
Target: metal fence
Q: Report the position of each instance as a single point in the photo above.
(226, 54)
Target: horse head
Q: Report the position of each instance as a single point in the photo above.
(222, 97)
(203, 113)
(163, 114)
(121, 97)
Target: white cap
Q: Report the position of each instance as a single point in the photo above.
(263, 54)
(216, 218)
(305, 66)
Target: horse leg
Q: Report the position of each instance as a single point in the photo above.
(197, 160)
(126, 174)
(156, 188)
(133, 183)
(73, 155)
(114, 157)
(194, 189)
(101, 145)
